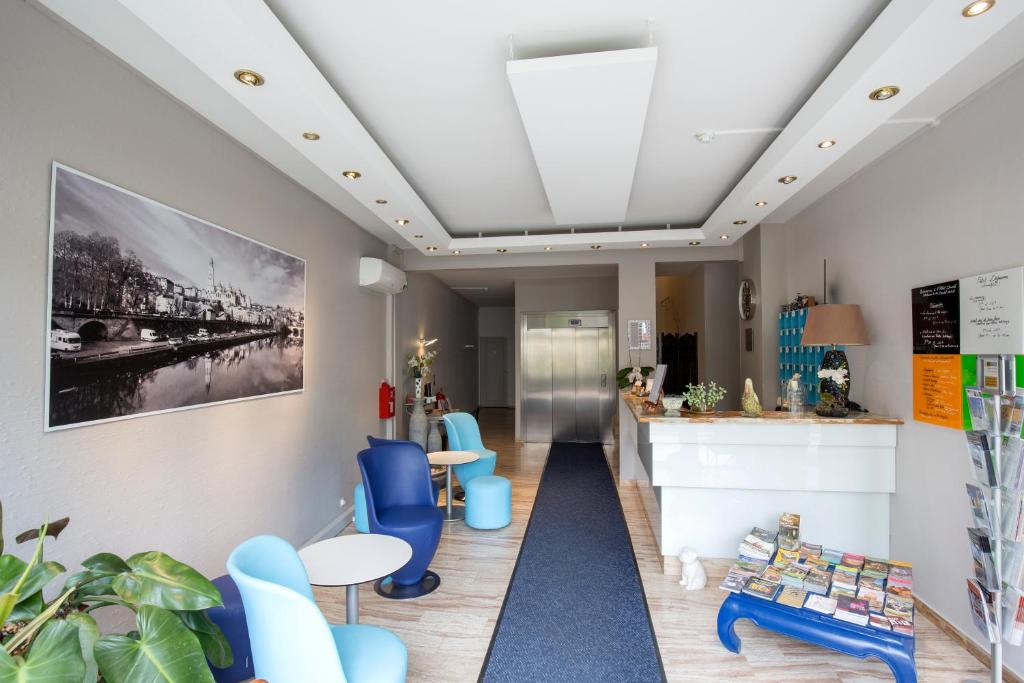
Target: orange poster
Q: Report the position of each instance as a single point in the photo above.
(937, 390)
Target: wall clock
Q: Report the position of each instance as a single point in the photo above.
(747, 299)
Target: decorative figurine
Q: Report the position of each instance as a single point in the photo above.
(750, 403)
(694, 577)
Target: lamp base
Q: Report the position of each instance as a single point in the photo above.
(834, 396)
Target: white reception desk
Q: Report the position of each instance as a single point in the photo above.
(705, 481)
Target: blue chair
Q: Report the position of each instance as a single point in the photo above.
(464, 435)
(359, 520)
(488, 502)
(400, 502)
(230, 618)
(436, 481)
(291, 640)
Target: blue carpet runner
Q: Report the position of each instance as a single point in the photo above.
(575, 608)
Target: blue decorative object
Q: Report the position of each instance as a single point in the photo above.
(488, 502)
(794, 357)
(896, 650)
(359, 520)
(231, 619)
(291, 640)
(464, 435)
(575, 607)
(400, 502)
(436, 482)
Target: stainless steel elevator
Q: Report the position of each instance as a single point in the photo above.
(568, 376)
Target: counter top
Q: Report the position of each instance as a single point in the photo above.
(768, 417)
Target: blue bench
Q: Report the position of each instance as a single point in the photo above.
(896, 650)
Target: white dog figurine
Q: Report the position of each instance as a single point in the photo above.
(694, 576)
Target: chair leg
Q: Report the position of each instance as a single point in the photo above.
(386, 588)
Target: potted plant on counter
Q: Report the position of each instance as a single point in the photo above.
(702, 398)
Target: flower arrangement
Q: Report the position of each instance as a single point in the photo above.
(703, 397)
(419, 364)
(837, 375)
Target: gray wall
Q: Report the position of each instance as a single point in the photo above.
(193, 483)
(500, 321)
(428, 309)
(945, 205)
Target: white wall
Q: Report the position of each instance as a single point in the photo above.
(946, 204)
(500, 322)
(428, 309)
(193, 483)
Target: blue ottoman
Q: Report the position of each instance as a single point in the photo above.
(488, 502)
(231, 620)
(360, 521)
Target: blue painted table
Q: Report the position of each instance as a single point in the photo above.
(897, 651)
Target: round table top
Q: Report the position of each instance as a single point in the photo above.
(452, 457)
(356, 558)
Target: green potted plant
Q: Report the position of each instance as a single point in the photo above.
(58, 641)
(702, 397)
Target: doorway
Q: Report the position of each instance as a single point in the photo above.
(493, 372)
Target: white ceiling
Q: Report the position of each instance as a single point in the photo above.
(496, 286)
(414, 95)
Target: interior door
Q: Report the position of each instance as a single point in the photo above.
(493, 372)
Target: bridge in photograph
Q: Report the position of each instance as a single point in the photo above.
(108, 325)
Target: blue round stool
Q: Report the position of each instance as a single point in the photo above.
(488, 502)
(361, 522)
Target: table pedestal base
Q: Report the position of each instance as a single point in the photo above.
(455, 513)
(386, 588)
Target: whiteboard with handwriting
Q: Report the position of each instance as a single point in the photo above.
(992, 312)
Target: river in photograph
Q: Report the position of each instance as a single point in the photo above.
(258, 367)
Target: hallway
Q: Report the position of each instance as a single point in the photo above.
(448, 632)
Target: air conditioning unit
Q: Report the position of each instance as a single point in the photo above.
(381, 276)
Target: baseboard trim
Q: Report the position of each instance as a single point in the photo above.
(334, 527)
(980, 653)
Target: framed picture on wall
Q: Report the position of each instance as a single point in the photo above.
(154, 310)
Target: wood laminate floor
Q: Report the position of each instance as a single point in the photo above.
(448, 631)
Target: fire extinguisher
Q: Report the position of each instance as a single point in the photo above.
(386, 401)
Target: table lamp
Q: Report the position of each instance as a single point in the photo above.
(832, 325)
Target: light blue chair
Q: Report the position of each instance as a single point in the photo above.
(464, 435)
(291, 641)
(488, 502)
(360, 521)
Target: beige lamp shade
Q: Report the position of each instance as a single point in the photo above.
(839, 324)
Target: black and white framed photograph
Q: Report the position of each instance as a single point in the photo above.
(154, 310)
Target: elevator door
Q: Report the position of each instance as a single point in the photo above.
(568, 364)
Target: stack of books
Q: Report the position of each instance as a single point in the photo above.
(759, 588)
(759, 545)
(832, 556)
(821, 604)
(794, 575)
(851, 610)
(817, 581)
(809, 550)
(844, 581)
(792, 596)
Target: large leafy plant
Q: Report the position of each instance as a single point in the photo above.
(58, 641)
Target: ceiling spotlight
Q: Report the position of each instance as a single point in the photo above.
(501, 251)
(352, 175)
(739, 222)
(643, 245)
(402, 221)
(247, 77)
(723, 237)
(381, 201)
(695, 243)
(705, 137)
(595, 246)
(825, 144)
(978, 7)
(760, 203)
(311, 136)
(787, 179)
(456, 252)
(431, 248)
(547, 248)
(886, 92)
(417, 237)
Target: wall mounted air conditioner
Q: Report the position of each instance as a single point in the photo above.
(381, 276)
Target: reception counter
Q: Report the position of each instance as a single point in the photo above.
(706, 480)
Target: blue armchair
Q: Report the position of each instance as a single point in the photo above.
(400, 502)
(437, 482)
(291, 640)
(464, 435)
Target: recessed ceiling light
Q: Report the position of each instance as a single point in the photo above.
(595, 246)
(352, 175)
(760, 203)
(739, 222)
(456, 252)
(501, 251)
(723, 237)
(402, 221)
(825, 144)
(886, 92)
(787, 179)
(978, 7)
(695, 243)
(247, 77)
(417, 237)
(643, 245)
(311, 136)
(381, 201)
(431, 248)
(547, 248)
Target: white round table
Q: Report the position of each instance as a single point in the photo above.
(446, 459)
(351, 560)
